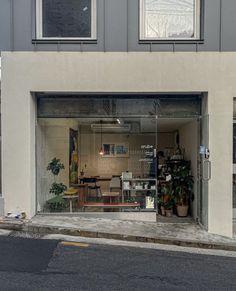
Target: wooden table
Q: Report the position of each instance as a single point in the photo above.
(111, 205)
(98, 178)
(110, 195)
(70, 198)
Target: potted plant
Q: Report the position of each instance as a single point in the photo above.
(56, 203)
(168, 205)
(183, 188)
(166, 197)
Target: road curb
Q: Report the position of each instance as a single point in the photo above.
(12, 225)
(43, 230)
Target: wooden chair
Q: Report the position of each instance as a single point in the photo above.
(94, 188)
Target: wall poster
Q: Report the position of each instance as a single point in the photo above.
(73, 157)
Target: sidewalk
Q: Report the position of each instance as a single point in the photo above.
(183, 234)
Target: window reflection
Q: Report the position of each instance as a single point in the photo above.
(170, 19)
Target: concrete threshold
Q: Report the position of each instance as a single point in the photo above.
(185, 235)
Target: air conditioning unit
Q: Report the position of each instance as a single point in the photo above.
(112, 127)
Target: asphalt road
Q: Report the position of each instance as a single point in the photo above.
(29, 264)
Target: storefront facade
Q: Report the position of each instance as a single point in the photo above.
(117, 67)
(144, 137)
(24, 110)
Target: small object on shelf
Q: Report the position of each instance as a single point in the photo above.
(126, 185)
(144, 190)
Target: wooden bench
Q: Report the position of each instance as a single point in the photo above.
(111, 205)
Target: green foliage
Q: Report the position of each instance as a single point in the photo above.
(56, 203)
(55, 166)
(57, 188)
(182, 184)
(166, 189)
(170, 203)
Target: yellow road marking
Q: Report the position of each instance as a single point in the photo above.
(74, 244)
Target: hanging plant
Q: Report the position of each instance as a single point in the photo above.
(55, 166)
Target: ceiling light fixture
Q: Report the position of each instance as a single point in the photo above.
(101, 152)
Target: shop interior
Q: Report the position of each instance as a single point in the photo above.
(117, 164)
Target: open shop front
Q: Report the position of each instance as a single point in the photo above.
(121, 154)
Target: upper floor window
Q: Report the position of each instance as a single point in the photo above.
(169, 19)
(66, 19)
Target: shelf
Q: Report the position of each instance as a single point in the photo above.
(139, 179)
(140, 189)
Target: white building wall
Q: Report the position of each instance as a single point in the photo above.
(25, 72)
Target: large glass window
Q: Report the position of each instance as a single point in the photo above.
(110, 151)
(168, 19)
(70, 19)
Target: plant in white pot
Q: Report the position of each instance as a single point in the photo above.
(183, 189)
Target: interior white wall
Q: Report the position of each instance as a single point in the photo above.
(90, 144)
(189, 139)
(52, 142)
(25, 72)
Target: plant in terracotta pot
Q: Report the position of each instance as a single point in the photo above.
(183, 188)
(166, 201)
(169, 207)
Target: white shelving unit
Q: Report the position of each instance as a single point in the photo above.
(139, 185)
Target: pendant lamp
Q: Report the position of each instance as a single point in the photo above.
(101, 152)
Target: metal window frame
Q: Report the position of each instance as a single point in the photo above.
(39, 24)
(197, 25)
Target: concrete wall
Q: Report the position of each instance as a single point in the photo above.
(116, 72)
(117, 29)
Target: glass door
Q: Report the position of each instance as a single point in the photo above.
(139, 184)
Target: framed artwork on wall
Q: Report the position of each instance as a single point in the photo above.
(108, 149)
(73, 156)
(115, 150)
(122, 150)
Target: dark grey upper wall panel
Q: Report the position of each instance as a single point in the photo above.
(229, 25)
(22, 25)
(211, 26)
(117, 29)
(115, 25)
(5, 25)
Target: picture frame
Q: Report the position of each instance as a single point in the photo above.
(115, 150)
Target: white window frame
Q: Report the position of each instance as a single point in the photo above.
(39, 24)
(197, 24)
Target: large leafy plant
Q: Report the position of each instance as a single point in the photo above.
(56, 203)
(55, 166)
(182, 184)
(57, 188)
